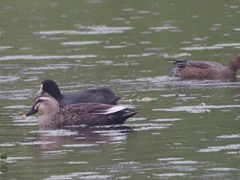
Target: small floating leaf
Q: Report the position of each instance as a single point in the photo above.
(3, 156)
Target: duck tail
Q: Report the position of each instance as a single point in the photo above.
(129, 114)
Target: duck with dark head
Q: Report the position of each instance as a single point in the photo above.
(97, 95)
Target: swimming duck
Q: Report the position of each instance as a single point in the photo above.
(100, 95)
(206, 69)
(92, 114)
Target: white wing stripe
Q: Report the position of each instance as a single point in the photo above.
(111, 110)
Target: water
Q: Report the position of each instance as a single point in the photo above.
(184, 129)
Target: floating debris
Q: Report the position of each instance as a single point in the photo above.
(3, 156)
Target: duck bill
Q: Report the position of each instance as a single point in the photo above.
(32, 111)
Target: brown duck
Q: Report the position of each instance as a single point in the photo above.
(206, 69)
(92, 114)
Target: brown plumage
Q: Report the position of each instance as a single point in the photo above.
(206, 69)
(91, 114)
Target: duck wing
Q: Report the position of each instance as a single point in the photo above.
(92, 108)
(93, 114)
(101, 95)
(197, 64)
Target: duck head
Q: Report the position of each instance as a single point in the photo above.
(44, 103)
(50, 87)
(234, 64)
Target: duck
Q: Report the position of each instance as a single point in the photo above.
(98, 95)
(205, 69)
(90, 114)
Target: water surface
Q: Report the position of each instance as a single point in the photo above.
(184, 129)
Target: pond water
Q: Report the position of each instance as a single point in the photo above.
(184, 129)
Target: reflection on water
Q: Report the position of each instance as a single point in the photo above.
(216, 46)
(185, 129)
(31, 57)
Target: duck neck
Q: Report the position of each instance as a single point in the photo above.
(48, 118)
(57, 94)
(232, 65)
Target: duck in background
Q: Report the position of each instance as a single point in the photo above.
(91, 114)
(205, 69)
(98, 95)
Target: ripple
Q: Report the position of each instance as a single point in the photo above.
(183, 162)
(79, 175)
(197, 109)
(105, 28)
(136, 17)
(200, 38)
(8, 144)
(229, 136)
(14, 159)
(32, 57)
(169, 159)
(216, 46)
(4, 79)
(80, 145)
(51, 67)
(57, 152)
(144, 127)
(91, 30)
(137, 119)
(59, 132)
(227, 44)
(16, 107)
(166, 120)
(17, 158)
(201, 48)
(114, 47)
(37, 143)
(70, 176)
(170, 174)
(165, 55)
(71, 162)
(15, 94)
(219, 148)
(128, 9)
(118, 19)
(163, 28)
(18, 118)
(5, 47)
(236, 29)
(222, 169)
(129, 163)
(81, 43)
(234, 7)
(26, 124)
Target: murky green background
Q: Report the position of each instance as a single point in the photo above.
(122, 45)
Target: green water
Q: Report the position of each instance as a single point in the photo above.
(121, 45)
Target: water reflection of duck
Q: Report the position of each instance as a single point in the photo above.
(81, 136)
(98, 95)
(206, 69)
(92, 114)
